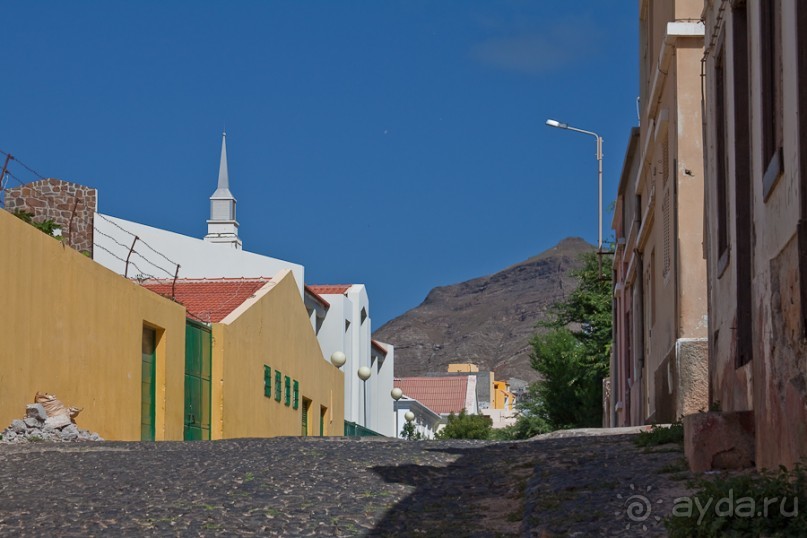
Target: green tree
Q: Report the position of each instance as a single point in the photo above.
(465, 426)
(573, 355)
(410, 433)
(530, 419)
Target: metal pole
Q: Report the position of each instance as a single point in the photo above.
(396, 419)
(599, 181)
(560, 125)
(5, 167)
(364, 383)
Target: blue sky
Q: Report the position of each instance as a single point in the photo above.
(398, 144)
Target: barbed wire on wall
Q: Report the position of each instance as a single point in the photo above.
(144, 256)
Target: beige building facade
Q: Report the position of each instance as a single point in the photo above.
(659, 366)
(756, 192)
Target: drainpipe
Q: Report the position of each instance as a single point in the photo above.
(638, 322)
(614, 363)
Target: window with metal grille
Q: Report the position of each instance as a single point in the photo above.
(267, 381)
(278, 386)
(296, 394)
(665, 211)
(288, 390)
(665, 160)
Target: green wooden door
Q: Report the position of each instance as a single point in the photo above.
(306, 407)
(322, 412)
(198, 357)
(148, 366)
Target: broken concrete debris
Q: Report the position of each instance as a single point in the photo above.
(40, 424)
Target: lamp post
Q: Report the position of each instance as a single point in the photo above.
(396, 394)
(559, 125)
(364, 374)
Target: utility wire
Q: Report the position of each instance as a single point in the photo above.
(13, 158)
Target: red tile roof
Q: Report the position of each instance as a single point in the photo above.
(316, 296)
(440, 394)
(330, 289)
(209, 300)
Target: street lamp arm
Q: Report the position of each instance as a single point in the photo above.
(561, 125)
(595, 135)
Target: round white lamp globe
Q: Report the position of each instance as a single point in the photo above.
(409, 416)
(338, 359)
(364, 373)
(396, 393)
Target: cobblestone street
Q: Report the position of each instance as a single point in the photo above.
(336, 487)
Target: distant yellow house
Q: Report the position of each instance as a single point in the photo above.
(462, 368)
(502, 397)
(140, 368)
(496, 393)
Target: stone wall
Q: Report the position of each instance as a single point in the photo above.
(69, 205)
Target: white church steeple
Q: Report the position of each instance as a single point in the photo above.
(222, 228)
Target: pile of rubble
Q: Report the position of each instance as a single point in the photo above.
(40, 425)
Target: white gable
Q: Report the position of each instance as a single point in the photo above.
(157, 251)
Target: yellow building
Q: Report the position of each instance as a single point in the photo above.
(496, 394)
(138, 368)
(462, 368)
(265, 361)
(502, 397)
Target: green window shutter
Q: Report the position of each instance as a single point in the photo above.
(278, 378)
(296, 402)
(288, 390)
(267, 381)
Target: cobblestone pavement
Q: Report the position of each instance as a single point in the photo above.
(335, 487)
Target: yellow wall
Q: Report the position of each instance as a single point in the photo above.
(462, 367)
(274, 330)
(501, 391)
(73, 328)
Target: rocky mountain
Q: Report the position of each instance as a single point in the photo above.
(487, 321)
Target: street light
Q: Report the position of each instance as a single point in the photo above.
(364, 374)
(338, 359)
(559, 125)
(396, 394)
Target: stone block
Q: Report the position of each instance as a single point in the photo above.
(692, 365)
(58, 422)
(719, 440)
(32, 423)
(70, 428)
(18, 426)
(36, 411)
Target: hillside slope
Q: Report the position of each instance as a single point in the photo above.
(487, 321)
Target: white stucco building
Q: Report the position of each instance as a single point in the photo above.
(427, 422)
(346, 326)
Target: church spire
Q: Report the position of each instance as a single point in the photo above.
(222, 228)
(224, 179)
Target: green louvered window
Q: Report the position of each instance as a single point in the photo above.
(278, 386)
(296, 394)
(267, 381)
(288, 390)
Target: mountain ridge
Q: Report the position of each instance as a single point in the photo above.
(486, 320)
